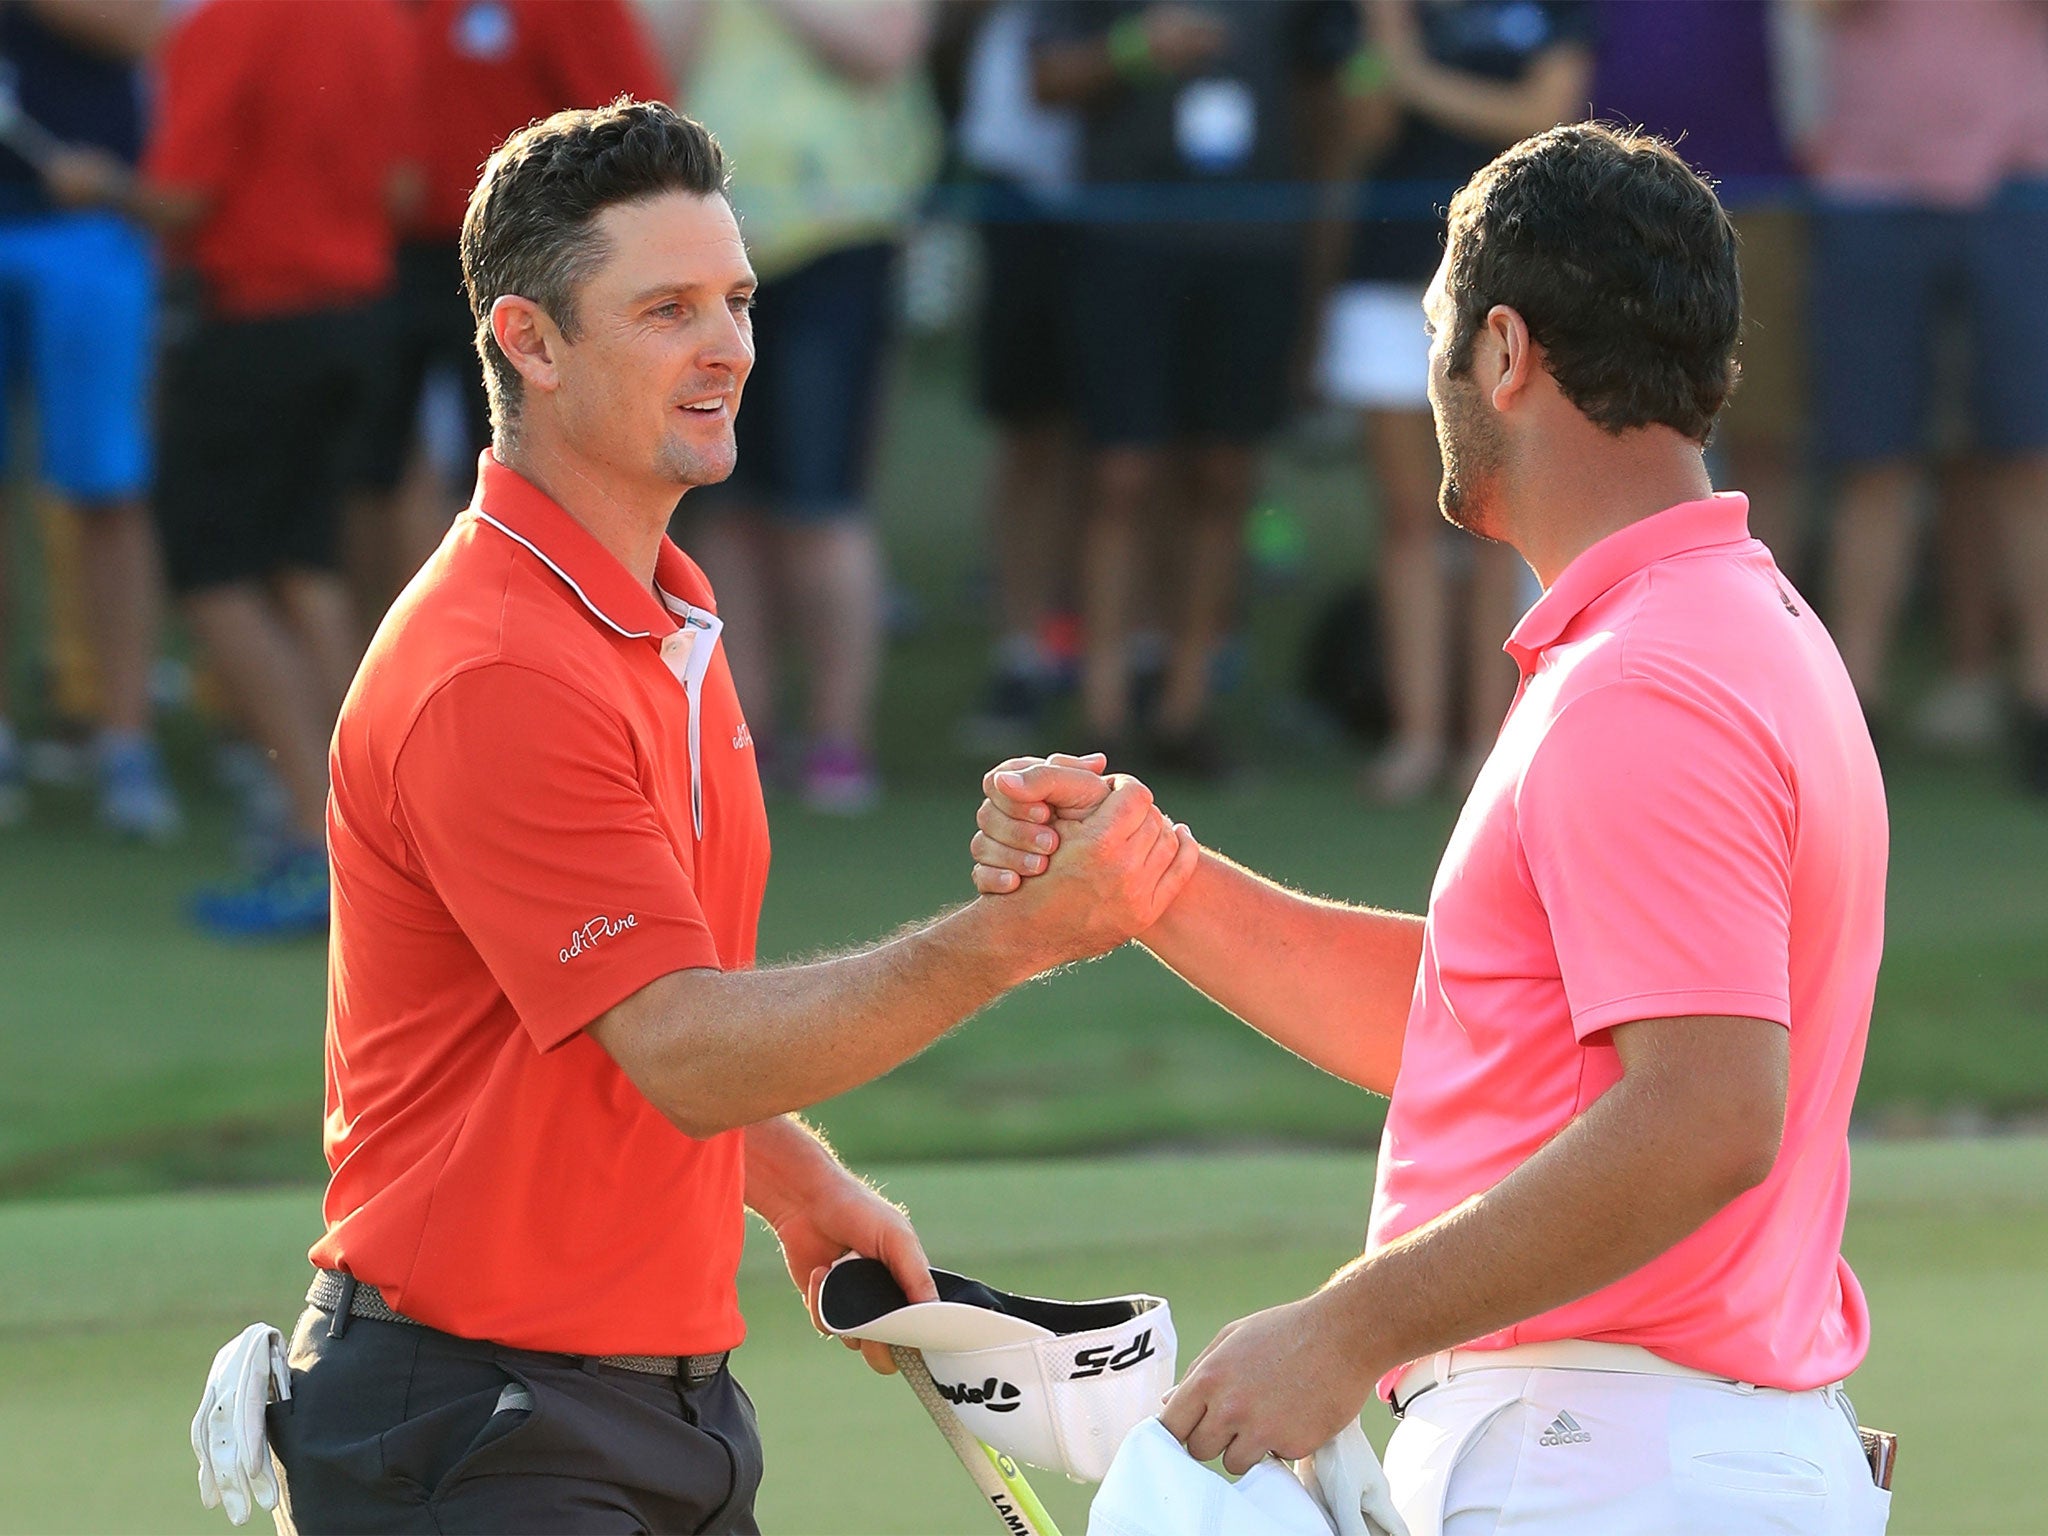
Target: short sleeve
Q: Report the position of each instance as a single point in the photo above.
(520, 797)
(1658, 835)
(596, 52)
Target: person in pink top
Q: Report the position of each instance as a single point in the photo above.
(1603, 1284)
(1929, 159)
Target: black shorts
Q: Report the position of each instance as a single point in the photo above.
(399, 1428)
(431, 329)
(806, 427)
(260, 426)
(1026, 365)
(1177, 340)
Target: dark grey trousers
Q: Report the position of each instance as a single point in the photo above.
(398, 1428)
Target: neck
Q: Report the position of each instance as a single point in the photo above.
(1562, 507)
(629, 520)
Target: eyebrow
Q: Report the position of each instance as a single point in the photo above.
(663, 290)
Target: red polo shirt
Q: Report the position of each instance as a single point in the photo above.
(290, 115)
(531, 820)
(492, 66)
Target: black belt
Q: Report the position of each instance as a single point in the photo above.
(332, 1291)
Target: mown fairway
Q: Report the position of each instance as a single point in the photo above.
(110, 1311)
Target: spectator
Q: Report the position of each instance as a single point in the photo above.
(486, 67)
(278, 165)
(1930, 164)
(1192, 116)
(79, 290)
(1700, 73)
(1439, 90)
(1022, 156)
(833, 136)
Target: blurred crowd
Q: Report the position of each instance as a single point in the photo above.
(240, 367)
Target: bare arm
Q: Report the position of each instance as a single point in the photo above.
(1695, 1121)
(1328, 981)
(1162, 40)
(870, 41)
(121, 29)
(714, 1050)
(1495, 111)
(819, 1210)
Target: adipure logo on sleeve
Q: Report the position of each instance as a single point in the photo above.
(595, 932)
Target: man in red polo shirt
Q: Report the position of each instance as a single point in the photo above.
(1603, 1283)
(554, 1077)
(277, 168)
(486, 69)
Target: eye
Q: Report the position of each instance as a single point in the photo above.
(742, 303)
(667, 311)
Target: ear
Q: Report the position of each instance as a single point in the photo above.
(1504, 342)
(528, 338)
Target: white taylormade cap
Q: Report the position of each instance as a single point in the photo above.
(1154, 1488)
(1055, 1383)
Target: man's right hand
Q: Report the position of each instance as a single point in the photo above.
(1111, 863)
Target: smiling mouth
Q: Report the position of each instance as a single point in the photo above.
(705, 407)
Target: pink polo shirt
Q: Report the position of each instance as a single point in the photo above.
(1683, 815)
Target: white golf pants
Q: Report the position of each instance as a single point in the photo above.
(1603, 1453)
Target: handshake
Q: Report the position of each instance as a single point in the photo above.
(1080, 861)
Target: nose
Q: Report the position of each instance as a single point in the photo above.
(729, 348)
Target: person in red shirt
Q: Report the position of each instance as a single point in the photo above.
(277, 170)
(554, 1077)
(486, 68)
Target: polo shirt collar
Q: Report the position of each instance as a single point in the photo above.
(1722, 518)
(527, 515)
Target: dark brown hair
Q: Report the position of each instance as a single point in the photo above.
(1621, 261)
(531, 225)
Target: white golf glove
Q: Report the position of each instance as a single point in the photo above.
(1347, 1480)
(228, 1434)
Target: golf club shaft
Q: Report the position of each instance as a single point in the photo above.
(999, 1478)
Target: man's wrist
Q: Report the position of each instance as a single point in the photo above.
(1008, 945)
(788, 1165)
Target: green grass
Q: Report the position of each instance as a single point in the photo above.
(136, 1055)
(110, 1311)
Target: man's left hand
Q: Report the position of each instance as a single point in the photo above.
(1282, 1381)
(848, 1216)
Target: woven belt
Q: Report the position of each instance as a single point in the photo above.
(330, 1285)
(1556, 1355)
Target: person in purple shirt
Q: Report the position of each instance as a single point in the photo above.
(1700, 73)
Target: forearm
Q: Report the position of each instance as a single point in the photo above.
(716, 1050)
(873, 42)
(1623, 1183)
(1330, 982)
(1498, 112)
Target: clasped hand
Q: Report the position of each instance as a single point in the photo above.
(1110, 861)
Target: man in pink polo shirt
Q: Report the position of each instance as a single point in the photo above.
(1603, 1284)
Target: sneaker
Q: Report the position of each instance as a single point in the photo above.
(135, 794)
(840, 780)
(1198, 753)
(1408, 771)
(286, 901)
(1960, 714)
(263, 807)
(1007, 722)
(13, 781)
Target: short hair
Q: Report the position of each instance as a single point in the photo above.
(1621, 261)
(530, 228)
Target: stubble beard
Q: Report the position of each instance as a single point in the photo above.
(1472, 450)
(684, 465)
